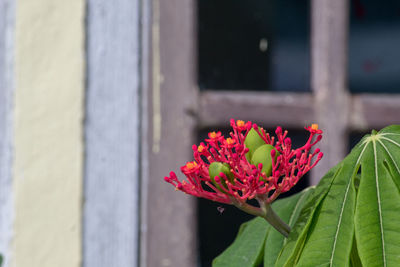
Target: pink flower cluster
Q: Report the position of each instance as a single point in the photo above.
(248, 180)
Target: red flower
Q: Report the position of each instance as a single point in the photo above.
(313, 129)
(243, 177)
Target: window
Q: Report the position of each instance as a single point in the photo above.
(170, 47)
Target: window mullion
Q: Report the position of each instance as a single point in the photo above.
(269, 109)
(329, 33)
(168, 221)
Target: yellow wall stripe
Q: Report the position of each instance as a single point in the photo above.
(48, 133)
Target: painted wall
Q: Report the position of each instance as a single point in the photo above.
(69, 131)
(111, 211)
(6, 113)
(48, 137)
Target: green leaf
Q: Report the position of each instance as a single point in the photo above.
(377, 217)
(326, 238)
(248, 247)
(329, 241)
(354, 257)
(365, 207)
(298, 235)
(288, 209)
(349, 219)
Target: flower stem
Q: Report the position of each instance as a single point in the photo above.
(273, 219)
(267, 213)
(276, 221)
(248, 208)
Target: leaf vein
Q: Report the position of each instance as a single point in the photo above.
(392, 141)
(342, 209)
(390, 155)
(339, 223)
(362, 152)
(389, 134)
(379, 203)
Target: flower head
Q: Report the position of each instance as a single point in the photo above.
(249, 164)
(313, 129)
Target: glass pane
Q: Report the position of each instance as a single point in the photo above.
(254, 45)
(374, 63)
(218, 223)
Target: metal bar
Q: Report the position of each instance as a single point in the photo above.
(291, 110)
(168, 221)
(329, 30)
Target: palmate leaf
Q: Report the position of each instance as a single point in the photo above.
(369, 215)
(352, 218)
(377, 217)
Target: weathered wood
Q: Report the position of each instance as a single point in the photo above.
(268, 109)
(329, 29)
(374, 111)
(7, 17)
(111, 210)
(171, 115)
(168, 217)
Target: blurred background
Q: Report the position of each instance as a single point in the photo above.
(99, 100)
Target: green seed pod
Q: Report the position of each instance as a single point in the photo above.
(215, 169)
(263, 155)
(252, 142)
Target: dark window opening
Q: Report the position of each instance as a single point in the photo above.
(355, 137)
(374, 41)
(254, 45)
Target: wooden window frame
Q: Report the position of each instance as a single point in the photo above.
(174, 109)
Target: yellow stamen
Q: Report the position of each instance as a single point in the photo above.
(314, 126)
(191, 165)
(213, 135)
(200, 148)
(240, 123)
(229, 141)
